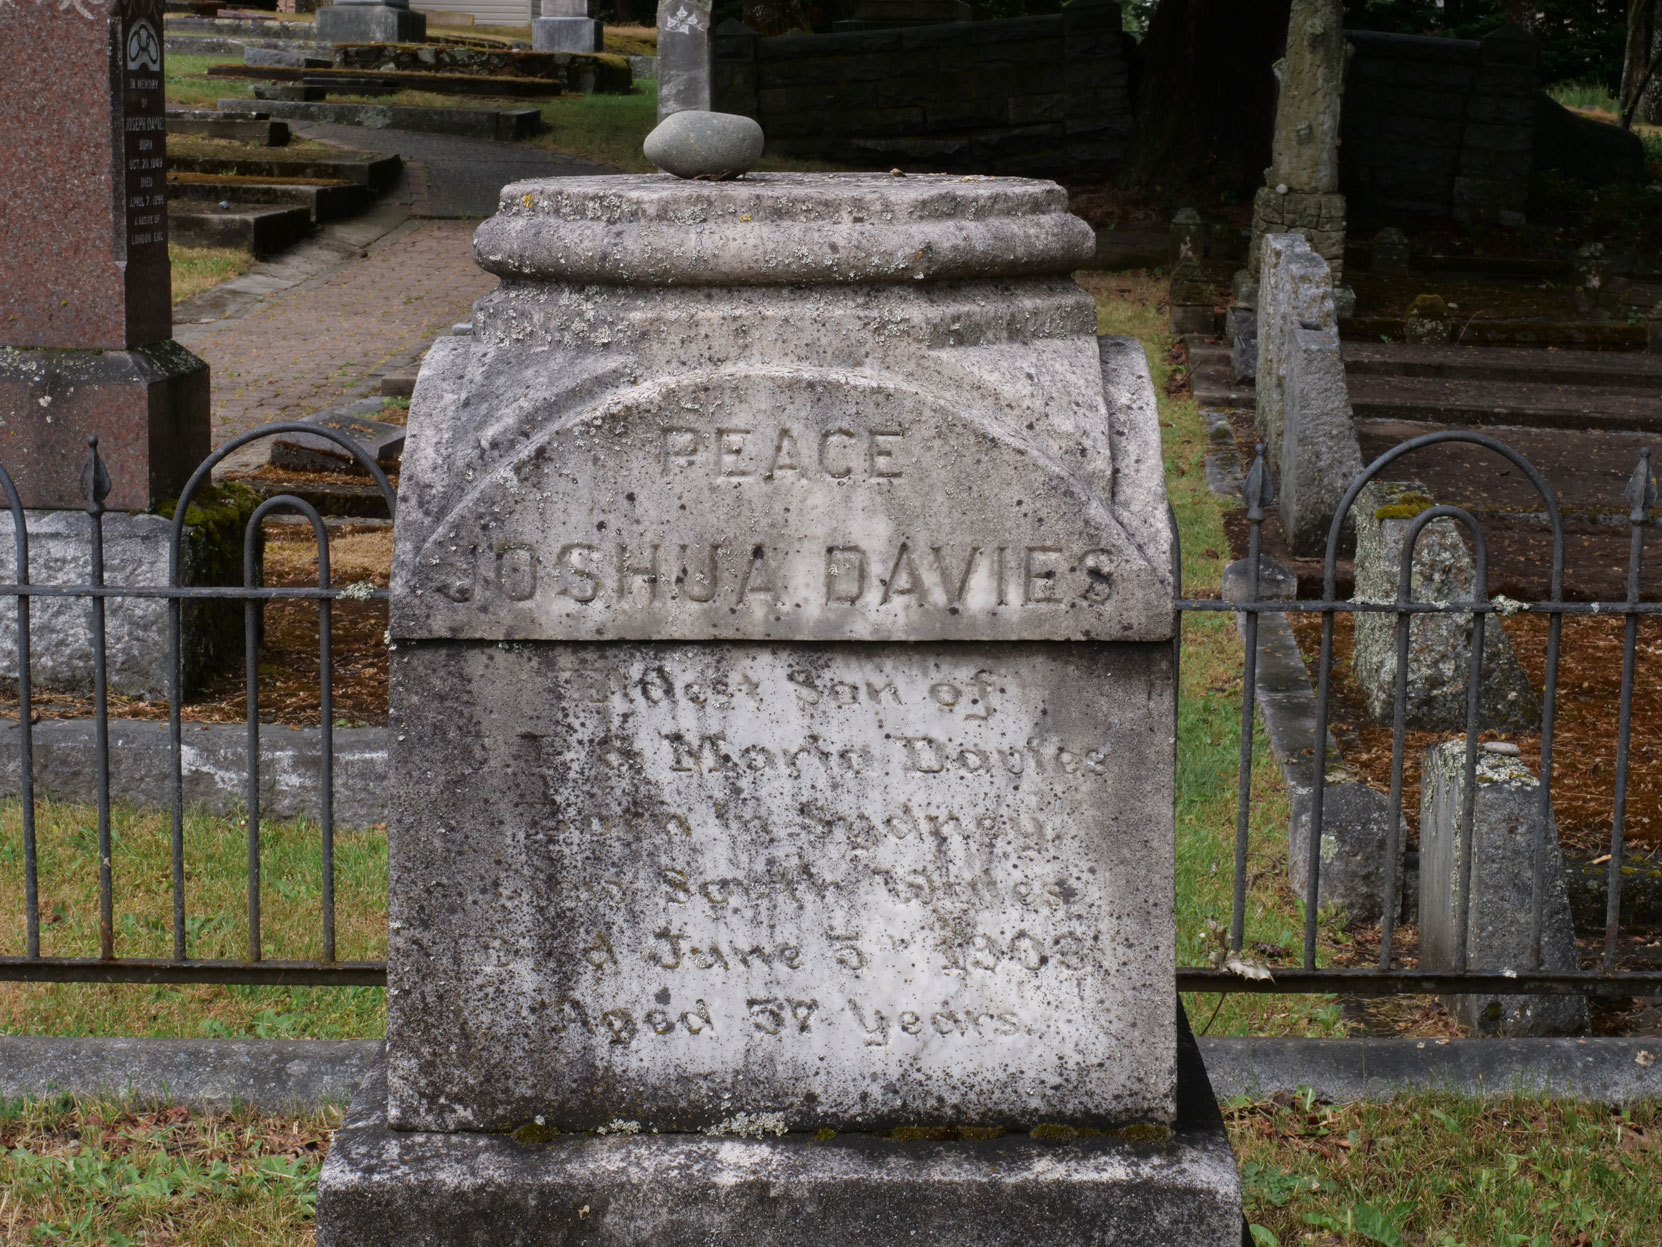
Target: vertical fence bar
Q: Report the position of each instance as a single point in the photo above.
(251, 790)
(326, 738)
(25, 721)
(1641, 496)
(95, 483)
(1549, 718)
(1259, 494)
(1399, 743)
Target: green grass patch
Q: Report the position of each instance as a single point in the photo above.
(102, 1172)
(1445, 1171)
(1585, 96)
(216, 906)
(196, 269)
(188, 86)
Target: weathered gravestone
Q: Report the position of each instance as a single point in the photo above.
(684, 56)
(86, 344)
(371, 21)
(565, 26)
(86, 317)
(783, 704)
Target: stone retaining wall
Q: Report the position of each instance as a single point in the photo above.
(1454, 127)
(1037, 96)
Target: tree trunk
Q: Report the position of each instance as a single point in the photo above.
(1206, 104)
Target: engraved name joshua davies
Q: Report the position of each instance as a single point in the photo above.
(746, 570)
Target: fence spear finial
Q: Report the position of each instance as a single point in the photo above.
(1258, 490)
(1641, 489)
(95, 478)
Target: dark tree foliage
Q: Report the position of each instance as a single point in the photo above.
(1581, 40)
(1206, 99)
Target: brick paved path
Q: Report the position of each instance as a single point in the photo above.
(327, 341)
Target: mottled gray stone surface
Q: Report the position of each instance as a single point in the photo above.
(353, 22)
(214, 758)
(847, 445)
(1304, 413)
(1311, 82)
(1506, 816)
(381, 1187)
(782, 715)
(708, 146)
(1319, 454)
(1439, 645)
(684, 56)
(853, 885)
(135, 629)
(567, 34)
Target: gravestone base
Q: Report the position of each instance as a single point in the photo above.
(148, 407)
(566, 34)
(427, 1189)
(370, 23)
(136, 553)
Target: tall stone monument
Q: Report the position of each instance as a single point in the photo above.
(371, 21)
(86, 317)
(1301, 191)
(565, 26)
(783, 704)
(684, 56)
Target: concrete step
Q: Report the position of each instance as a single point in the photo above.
(1607, 369)
(1212, 374)
(1519, 404)
(377, 173)
(242, 129)
(324, 200)
(481, 123)
(261, 229)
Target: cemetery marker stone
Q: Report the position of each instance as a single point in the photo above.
(86, 309)
(684, 56)
(783, 713)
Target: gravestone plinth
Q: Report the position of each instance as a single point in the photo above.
(86, 318)
(783, 715)
(565, 26)
(371, 21)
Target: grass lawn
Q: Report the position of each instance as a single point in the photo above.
(195, 269)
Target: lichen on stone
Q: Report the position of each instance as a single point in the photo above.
(748, 1126)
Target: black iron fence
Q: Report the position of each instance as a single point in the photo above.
(1387, 977)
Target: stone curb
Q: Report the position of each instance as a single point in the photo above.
(215, 767)
(288, 1075)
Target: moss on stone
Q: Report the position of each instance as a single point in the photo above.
(941, 1134)
(824, 1134)
(1428, 307)
(218, 518)
(534, 1134)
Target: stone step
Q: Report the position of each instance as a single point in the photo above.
(1447, 401)
(241, 129)
(374, 172)
(1575, 334)
(261, 229)
(483, 123)
(357, 80)
(1607, 369)
(1212, 374)
(325, 200)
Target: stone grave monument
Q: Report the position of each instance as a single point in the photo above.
(685, 67)
(86, 347)
(86, 318)
(371, 21)
(565, 26)
(783, 711)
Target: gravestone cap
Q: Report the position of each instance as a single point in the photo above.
(759, 498)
